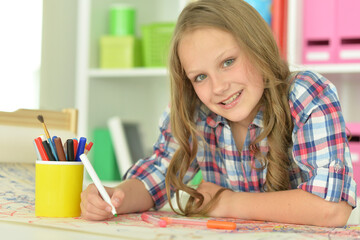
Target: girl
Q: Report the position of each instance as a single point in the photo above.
(271, 145)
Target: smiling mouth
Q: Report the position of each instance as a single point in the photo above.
(232, 98)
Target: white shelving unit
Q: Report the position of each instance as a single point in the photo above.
(138, 94)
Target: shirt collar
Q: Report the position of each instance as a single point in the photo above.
(258, 120)
(209, 117)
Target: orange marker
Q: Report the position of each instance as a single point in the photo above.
(208, 223)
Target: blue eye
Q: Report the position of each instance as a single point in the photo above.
(200, 77)
(228, 62)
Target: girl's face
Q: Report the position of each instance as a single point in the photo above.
(223, 79)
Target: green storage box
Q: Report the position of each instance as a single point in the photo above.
(103, 156)
(122, 20)
(156, 40)
(120, 52)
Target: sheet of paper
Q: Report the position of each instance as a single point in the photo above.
(17, 204)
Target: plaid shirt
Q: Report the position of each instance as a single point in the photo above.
(320, 157)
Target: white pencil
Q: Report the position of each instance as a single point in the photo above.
(97, 182)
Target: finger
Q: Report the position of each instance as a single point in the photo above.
(93, 216)
(93, 202)
(92, 195)
(117, 198)
(103, 209)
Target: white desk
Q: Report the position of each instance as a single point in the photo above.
(20, 231)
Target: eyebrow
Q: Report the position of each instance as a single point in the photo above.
(218, 58)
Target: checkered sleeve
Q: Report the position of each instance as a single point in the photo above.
(320, 146)
(152, 170)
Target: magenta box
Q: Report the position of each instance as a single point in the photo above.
(348, 31)
(331, 32)
(354, 145)
(319, 31)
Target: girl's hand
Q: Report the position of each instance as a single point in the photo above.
(208, 190)
(93, 207)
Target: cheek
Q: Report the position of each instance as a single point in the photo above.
(257, 91)
(260, 87)
(259, 83)
(203, 95)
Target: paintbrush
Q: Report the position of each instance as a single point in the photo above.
(41, 119)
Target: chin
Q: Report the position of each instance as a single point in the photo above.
(237, 119)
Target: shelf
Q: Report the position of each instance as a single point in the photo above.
(329, 68)
(133, 72)
(162, 72)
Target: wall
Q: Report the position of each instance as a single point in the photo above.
(57, 77)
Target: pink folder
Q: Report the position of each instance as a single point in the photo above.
(348, 31)
(319, 31)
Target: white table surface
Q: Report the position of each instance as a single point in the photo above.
(21, 231)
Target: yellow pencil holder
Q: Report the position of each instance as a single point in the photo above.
(58, 188)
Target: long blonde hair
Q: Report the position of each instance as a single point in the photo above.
(256, 40)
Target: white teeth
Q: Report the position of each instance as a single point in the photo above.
(230, 100)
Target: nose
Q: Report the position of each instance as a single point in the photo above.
(219, 84)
